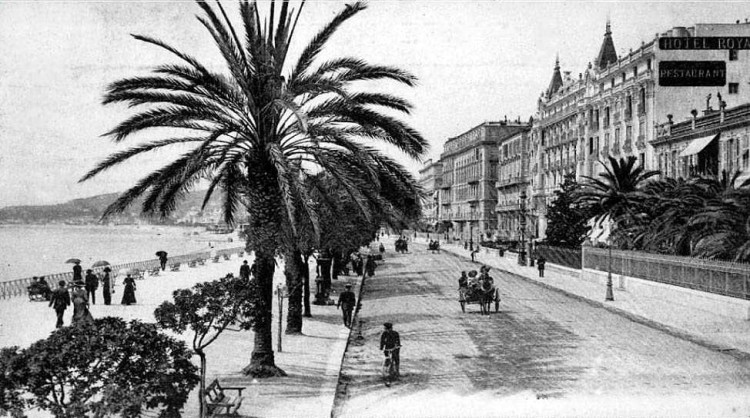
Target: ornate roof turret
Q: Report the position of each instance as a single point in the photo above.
(607, 53)
(557, 81)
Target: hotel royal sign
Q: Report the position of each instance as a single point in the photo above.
(694, 73)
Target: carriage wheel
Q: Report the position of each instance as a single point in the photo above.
(463, 306)
(497, 301)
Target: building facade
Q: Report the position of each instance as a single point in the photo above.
(613, 107)
(513, 179)
(429, 179)
(468, 194)
(713, 144)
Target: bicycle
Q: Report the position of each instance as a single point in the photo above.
(389, 366)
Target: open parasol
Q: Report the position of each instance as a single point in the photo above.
(100, 263)
(73, 260)
(160, 253)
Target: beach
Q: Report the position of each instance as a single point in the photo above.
(34, 250)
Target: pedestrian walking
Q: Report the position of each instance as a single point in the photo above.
(473, 254)
(370, 266)
(77, 272)
(540, 262)
(60, 300)
(81, 311)
(128, 295)
(347, 302)
(245, 271)
(92, 283)
(107, 286)
(390, 340)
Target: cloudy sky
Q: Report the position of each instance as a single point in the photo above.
(476, 61)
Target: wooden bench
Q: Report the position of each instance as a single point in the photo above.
(192, 263)
(220, 403)
(201, 262)
(226, 257)
(216, 259)
(137, 274)
(154, 271)
(174, 267)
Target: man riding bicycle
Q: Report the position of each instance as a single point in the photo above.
(389, 340)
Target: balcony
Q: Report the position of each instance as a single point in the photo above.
(616, 118)
(641, 109)
(616, 148)
(446, 184)
(473, 178)
(507, 181)
(507, 207)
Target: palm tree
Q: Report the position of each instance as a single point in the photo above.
(616, 197)
(723, 224)
(259, 129)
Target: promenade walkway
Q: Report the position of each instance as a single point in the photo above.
(312, 360)
(707, 328)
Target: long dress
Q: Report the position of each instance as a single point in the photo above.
(106, 289)
(128, 295)
(80, 306)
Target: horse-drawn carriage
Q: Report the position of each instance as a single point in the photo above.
(481, 292)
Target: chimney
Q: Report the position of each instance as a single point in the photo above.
(695, 115)
(722, 109)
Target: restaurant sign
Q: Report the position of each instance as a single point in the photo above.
(692, 73)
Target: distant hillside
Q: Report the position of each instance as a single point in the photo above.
(89, 210)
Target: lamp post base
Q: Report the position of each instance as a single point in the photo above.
(610, 295)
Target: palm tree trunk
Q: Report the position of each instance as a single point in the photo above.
(264, 238)
(294, 279)
(262, 359)
(306, 274)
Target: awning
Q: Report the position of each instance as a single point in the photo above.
(698, 144)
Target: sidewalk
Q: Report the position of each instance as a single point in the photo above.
(312, 360)
(700, 326)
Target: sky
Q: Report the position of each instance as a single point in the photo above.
(476, 61)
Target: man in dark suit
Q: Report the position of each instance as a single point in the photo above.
(347, 301)
(60, 300)
(245, 271)
(92, 283)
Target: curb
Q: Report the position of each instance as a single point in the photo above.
(340, 392)
(731, 351)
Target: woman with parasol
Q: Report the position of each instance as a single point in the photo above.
(162, 259)
(77, 269)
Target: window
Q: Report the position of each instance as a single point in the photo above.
(733, 55)
(591, 146)
(612, 82)
(642, 159)
(635, 71)
(648, 65)
(623, 78)
(734, 88)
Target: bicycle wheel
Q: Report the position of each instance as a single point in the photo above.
(386, 371)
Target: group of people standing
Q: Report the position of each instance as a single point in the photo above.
(82, 290)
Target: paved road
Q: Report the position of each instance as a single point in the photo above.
(543, 353)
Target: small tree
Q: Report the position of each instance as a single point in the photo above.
(208, 309)
(89, 368)
(567, 220)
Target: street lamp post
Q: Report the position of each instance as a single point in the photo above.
(609, 296)
(471, 236)
(522, 251)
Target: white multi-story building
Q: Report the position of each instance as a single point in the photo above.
(429, 180)
(612, 108)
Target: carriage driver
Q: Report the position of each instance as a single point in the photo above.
(486, 282)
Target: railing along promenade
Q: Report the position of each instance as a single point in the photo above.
(19, 287)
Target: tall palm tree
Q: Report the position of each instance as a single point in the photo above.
(258, 128)
(616, 197)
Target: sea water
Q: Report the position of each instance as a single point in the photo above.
(35, 250)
